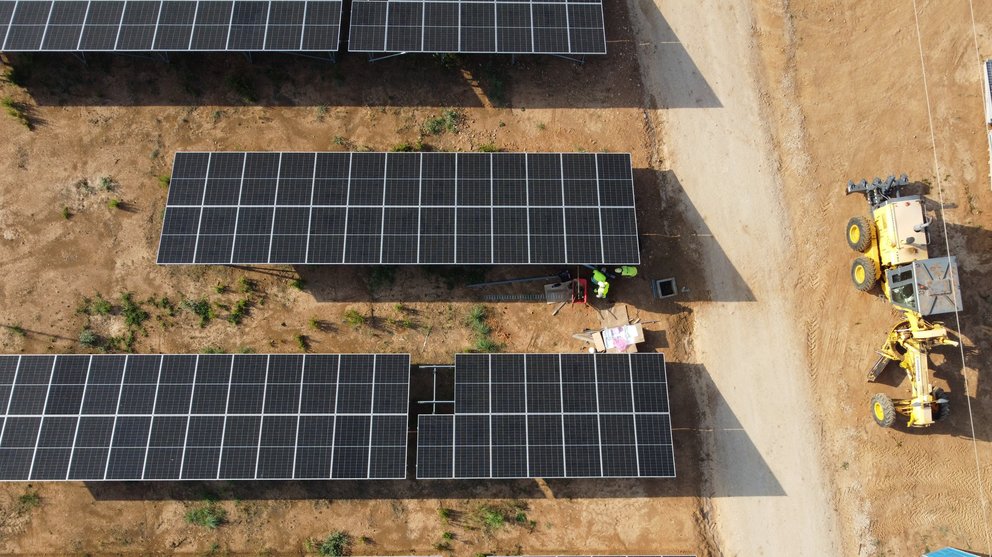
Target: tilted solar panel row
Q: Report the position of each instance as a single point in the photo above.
(551, 416)
(170, 26)
(400, 208)
(203, 417)
(473, 26)
(483, 26)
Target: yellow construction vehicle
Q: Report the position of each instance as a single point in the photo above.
(894, 250)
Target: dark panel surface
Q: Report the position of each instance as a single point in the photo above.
(153, 417)
(400, 208)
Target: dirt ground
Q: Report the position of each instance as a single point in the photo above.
(71, 238)
(745, 121)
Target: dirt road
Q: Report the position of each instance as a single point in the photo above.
(764, 466)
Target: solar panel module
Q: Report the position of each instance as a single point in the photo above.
(170, 26)
(573, 27)
(400, 208)
(203, 417)
(551, 416)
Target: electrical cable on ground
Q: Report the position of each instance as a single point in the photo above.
(947, 245)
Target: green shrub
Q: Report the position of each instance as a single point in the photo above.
(17, 111)
(334, 545)
(114, 203)
(298, 283)
(202, 308)
(247, 285)
(448, 121)
(29, 500)
(134, 316)
(353, 318)
(164, 180)
(88, 338)
(208, 516)
(66, 214)
(489, 148)
(240, 311)
(17, 330)
(303, 341)
(492, 518)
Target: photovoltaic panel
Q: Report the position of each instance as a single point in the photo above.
(573, 27)
(551, 416)
(203, 417)
(400, 209)
(170, 26)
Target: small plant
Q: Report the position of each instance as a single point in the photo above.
(444, 513)
(303, 341)
(246, 285)
(442, 546)
(29, 500)
(211, 349)
(321, 112)
(216, 115)
(114, 203)
(240, 311)
(488, 148)
(208, 516)
(108, 184)
(164, 180)
(17, 330)
(492, 518)
(341, 141)
(334, 545)
(448, 121)
(88, 338)
(407, 147)
(541, 126)
(314, 324)
(246, 350)
(66, 214)
(17, 111)
(202, 308)
(134, 316)
(220, 288)
(353, 318)
(242, 86)
(381, 277)
(298, 283)
(477, 320)
(448, 536)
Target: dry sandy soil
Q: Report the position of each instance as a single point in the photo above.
(756, 116)
(122, 118)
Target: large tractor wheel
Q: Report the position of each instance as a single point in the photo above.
(863, 274)
(943, 408)
(883, 410)
(860, 234)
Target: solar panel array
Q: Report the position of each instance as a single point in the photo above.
(478, 26)
(200, 417)
(169, 26)
(551, 416)
(400, 208)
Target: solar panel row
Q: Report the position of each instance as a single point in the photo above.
(168, 26)
(483, 26)
(153, 417)
(551, 416)
(400, 208)
(480, 26)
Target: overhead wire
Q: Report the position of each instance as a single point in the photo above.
(983, 496)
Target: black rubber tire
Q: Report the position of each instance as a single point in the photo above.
(943, 408)
(883, 411)
(868, 279)
(865, 234)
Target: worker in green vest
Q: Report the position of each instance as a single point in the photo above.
(626, 271)
(602, 286)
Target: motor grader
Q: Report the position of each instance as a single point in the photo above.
(894, 247)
